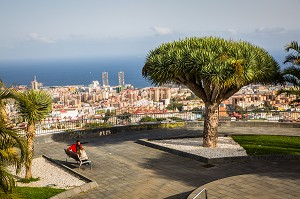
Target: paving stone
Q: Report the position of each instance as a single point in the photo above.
(125, 169)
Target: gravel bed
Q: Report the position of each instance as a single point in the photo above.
(227, 147)
(50, 175)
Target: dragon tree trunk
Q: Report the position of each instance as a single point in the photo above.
(210, 131)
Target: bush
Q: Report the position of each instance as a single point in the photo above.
(160, 119)
(148, 119)
(177, 119)
(97, 125)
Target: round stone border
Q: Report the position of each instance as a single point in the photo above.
(148, 143)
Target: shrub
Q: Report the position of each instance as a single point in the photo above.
(160, 119)
(148, 119)
(177, 119)
(97, 125)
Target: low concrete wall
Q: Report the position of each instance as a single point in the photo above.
(90, 133)
(260, 124)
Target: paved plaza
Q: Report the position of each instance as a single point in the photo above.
(124, 169)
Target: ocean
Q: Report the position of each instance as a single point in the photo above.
(73, 71)
(61, 72)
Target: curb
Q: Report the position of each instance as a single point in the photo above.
(147, 142)
(90, 184)
(207, 186)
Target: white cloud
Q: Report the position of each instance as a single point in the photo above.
(40, 38)
(264, 30)
(232, 31)
(162, 30)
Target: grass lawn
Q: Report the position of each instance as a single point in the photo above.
(269, 144)
(36, 192)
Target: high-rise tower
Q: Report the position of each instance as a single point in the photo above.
(121, 78)
(35, 85)
(105, 79)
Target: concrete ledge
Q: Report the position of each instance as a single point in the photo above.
(90, 184)
(97, 132)
(259, 124)
(146, 142)
(91, 133)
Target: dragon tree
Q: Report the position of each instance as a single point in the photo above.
(213, 69)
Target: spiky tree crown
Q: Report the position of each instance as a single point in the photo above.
(210, 64)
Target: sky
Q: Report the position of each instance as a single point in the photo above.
(68, 29)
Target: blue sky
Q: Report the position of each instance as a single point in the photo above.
(35, 29)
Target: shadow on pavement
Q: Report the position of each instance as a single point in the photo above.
(180, 196)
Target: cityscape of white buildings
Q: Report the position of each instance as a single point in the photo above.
(92, 101)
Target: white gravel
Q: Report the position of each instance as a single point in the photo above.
(50, 175)
(226, 147)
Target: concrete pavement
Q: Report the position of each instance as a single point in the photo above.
(125, 169)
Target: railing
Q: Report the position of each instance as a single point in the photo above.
(53, 125)
(198, 194)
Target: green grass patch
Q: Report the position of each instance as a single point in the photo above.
(36, 192)
(269, 144)
(24, 180)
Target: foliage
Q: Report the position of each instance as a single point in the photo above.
(177, 119)
(33, 106)
(125, 116)
(197, 110)
(175, 106)
(160, 119)
(269, 144)
(192, 97)
(5, 94)
(24, 180)
(148, 119)
(172, 125)
(108, 115)
(291, 74)
(213, 69)
(97, 125)
(12, 152)
(268, 107)
(37, 192)
(210, 65)
(159, 125)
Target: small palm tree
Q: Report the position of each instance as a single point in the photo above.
(12, 152)
(291, 74)
(213, 68)
(5, 94)
(33, 107)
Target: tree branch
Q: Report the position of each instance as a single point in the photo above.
(197, 90)
(215, 93)
(226, 93)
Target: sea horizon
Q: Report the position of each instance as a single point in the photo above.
(63, 72)
(79, 71)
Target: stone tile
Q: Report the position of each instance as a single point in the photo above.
(125, 169)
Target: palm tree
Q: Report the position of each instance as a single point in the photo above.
(291, 74)
(5, 94)
(213, 68)
(33, 107)
(12, 152)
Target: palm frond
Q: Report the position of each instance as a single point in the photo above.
(12, 152)
(293, 57)
(33, 105)
(293, 46)
(7, 182)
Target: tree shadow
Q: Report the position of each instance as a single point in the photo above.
(183, 195)
(196, 174)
